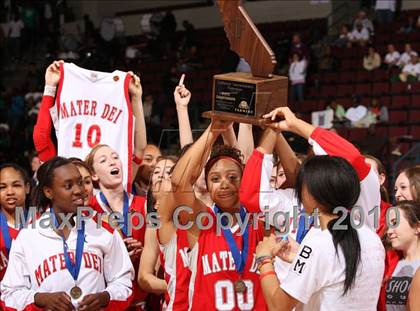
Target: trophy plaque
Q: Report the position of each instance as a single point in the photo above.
(246, 97)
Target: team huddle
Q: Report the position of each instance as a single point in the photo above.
(231, 233)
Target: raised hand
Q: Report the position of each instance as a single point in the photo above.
(283, 119)
(52, 74)
(134, 88)
(182, 95)
(220, 125)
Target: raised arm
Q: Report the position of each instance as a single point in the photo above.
(256, 175)
(288, 160)
(323, 141)
(327, 142)
(245, 140)
(184, 176)
(42, 129)
(140, 138)
(182, 97)
(190, 165)
(229, 137)
(256, 194)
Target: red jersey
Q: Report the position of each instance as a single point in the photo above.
(174, 257)
(213, 276)
(4, 256)
(136, 204)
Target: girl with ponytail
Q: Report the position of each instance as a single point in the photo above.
(339, 264)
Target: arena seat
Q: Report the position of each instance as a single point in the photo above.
(400, 101)
(328, 90)
(414, 115)
(398, 88)
(380, 88)
(380, 75)
(362, 89)
(363, 76)
(344, 90)
(397, 116)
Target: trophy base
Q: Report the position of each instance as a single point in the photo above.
(235, 118)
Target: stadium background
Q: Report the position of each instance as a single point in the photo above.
(160, 39)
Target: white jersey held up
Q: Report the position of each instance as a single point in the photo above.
(37, 265)
(92, 108)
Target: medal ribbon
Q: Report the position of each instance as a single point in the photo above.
(125, 210)
(239, 257)
(5, 232)
(74, 269)
(302, 229)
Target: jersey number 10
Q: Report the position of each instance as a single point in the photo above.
(94, 131)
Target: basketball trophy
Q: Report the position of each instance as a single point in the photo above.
(246, 97)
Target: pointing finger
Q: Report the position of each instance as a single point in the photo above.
(181, 81)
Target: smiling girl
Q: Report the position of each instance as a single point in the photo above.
(76, 266)
(223, 269)
(407, 185)
(14, 189)
(402, 277)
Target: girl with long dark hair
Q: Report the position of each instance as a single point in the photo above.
(337, 266)
(152, 257)
(332, 186)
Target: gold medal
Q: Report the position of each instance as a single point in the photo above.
(240, 286)
(76, 292)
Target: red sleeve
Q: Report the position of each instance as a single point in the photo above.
(138, 206)
(30, 307)
(391, 260)
(334, 145)
(119, 304)
(249, 192)
(42, 131)
(382, 218)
